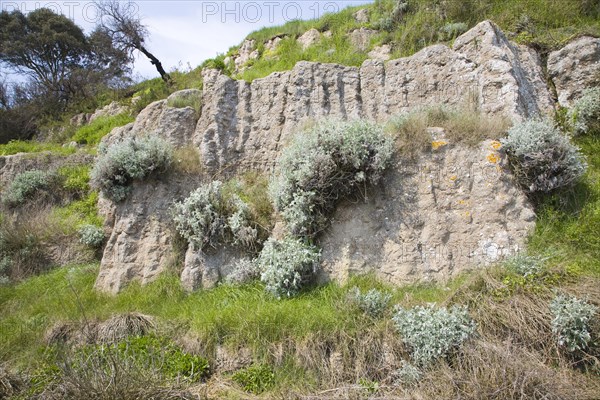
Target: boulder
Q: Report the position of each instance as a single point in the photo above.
(309, 38)
(382, 53)
(574, 68)
(362, 16)
(361, 38)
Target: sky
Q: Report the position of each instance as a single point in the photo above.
(183, 33)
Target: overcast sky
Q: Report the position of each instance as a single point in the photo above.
(190, 31)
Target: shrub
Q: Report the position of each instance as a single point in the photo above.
(542, 158)
(123, 162)
(571, 322)
(255, 379)
(25, 185)
(325, 165)
(407, 374)
(585, 114)
(287, 265)
(453, 30)
(208, 216)
(432, 333)
(75, 178)
(373, 303)
(526, 265)
(91, 235)
(244, 271)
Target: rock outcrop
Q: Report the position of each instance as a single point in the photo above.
(244, 126)
(575, 67)
(309, 38)
(452, 209)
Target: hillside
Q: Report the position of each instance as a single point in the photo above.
(395, 201)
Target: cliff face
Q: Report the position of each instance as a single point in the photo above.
(244, 126)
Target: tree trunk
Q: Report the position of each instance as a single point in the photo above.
(163, 74)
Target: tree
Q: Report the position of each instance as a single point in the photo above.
(128, 33)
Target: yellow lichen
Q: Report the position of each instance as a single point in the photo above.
(496, 145)
(436, 144)
(453, 178)
(493, 158)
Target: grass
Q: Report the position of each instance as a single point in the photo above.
(93, 132)
(26, 146)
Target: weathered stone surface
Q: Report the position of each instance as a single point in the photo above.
(204, 269)
(245, 125)
(246, 53)
(176, 125)
(574, 68)
(271, 44)
(308, 38)
(362, 16)
(140, 245)
(110, 110)
(454, 209)
(382, 53)
(361, 38)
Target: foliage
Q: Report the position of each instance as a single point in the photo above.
(25, 185)
(255, 379)
(571, 321)
(287, 265)
(23, 146)
(407, 374)
(585, 114)
(542, 158)
(320, 167)
(208, 216)
(75, 178)
(123, 162)
(244, 271)
(453, 30)
(91, 235)
(432, 333)
(93, 132)
(373, 303)
(526, 265)
(83, 210)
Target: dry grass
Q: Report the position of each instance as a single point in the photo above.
(10, 384)
(460, 125)
(187, 160)
(121, 326)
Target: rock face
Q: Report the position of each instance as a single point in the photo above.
(361, 38)
(453, 209)
(575, 67)
(310, 37)
(244, 126)
(382, 53)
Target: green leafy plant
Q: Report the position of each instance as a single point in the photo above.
(571, 321)
(541, 157)
(91, 235)
(373, 303)
(255, 379)
(432, 333)
(123, 162)
(287, 265)
(100, 127)
(585, 114)
(324, 165)
(25, 186)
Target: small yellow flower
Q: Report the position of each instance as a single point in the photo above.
(496, 145)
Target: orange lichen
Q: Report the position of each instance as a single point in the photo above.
(493, 158)
(436, 144)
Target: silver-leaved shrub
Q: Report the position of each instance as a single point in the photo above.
(121, 163)
(322, 166)
(541, 157)
(91, 235)
(287, 265)
(25, 185)
(431, 333)
(207, 217)
(373, 303)
(585, 113)
(571, 321)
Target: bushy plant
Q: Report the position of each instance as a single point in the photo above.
(25, 185)
(585, 114)
(244, 271)
(407, 374)
(453, 30)
(542, 158)
(526, 265)
(287, 265)
(123, 162)
(208, 216)
(255, 378)
(571, 321)
(91, 235)
(432, 332)
(373, 303)
(75, 178)
(324, 165)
